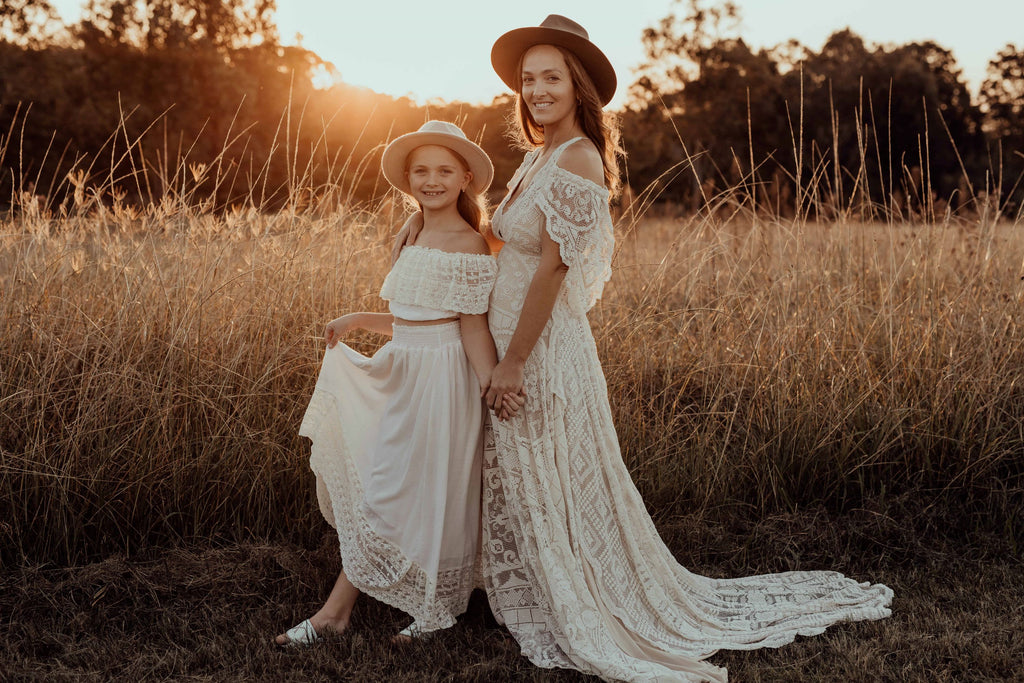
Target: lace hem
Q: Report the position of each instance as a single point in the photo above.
(441, 280)
(374, 564)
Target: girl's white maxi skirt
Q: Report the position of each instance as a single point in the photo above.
(397, 444)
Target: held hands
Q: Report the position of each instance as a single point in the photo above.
(407, 235)
(339, 327)
(510, 405)
(504, 394)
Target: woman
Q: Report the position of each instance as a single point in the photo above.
(573, 565)
(397, 438)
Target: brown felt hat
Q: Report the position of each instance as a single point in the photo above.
(560, 31)
(440, 133)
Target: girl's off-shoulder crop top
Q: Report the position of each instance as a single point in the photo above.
(431, 284)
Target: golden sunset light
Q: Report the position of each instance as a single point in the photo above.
(440, 50)
(324, 355)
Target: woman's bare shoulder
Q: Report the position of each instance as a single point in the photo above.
(582, 158)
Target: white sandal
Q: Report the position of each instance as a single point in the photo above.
(302, 635)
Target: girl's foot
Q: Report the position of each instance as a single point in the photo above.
(311, 631)
(302, 635)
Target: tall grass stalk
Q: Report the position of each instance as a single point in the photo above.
(155, 360)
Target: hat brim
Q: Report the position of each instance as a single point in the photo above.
(393, 160)
(509, 48)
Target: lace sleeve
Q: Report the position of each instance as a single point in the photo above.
(577, 217)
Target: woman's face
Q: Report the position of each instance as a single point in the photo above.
(547, 85)
(436, 176)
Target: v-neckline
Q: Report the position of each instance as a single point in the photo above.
(520, 188)
(512, 198)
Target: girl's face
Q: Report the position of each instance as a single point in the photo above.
(436, 176)
(547, 85)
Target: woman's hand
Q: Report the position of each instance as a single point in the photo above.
(510, 405)
(407, 235)
(511, 402)
(339, 327)
(507, 378)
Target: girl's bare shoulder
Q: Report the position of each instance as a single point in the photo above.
(469, 241)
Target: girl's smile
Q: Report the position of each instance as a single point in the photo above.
(436, 176)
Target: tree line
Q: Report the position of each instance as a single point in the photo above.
(199, 100)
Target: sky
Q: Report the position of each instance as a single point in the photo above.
(441, 49)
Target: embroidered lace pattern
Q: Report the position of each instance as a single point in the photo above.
(374, 564)
(572, 562)
(441, 280)
(577, 218)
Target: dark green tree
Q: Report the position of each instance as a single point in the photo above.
(1002, 94)
(887, 123)
(686, 125)
(678, 46)
(1002, 103)
(883, 127)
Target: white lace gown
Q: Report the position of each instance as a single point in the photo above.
(572, 562)
(397, 444)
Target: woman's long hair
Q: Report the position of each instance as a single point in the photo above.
(601, 127)
(471, 204)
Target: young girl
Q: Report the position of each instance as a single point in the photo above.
(397, 438)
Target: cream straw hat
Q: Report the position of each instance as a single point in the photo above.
(440, 133)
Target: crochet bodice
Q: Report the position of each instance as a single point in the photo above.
(574, 212)
(441, 280)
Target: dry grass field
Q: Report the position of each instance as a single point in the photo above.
(789, 394)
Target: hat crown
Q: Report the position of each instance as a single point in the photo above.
(442, 127)
(560, 23)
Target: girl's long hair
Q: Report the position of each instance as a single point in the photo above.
(600, 126)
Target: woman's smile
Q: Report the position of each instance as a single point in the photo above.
(547, 87)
